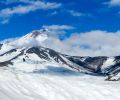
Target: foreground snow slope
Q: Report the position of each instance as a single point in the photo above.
(55, 85)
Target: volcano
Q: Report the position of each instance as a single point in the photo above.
(30, 71)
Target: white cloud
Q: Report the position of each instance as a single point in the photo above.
(58, 27)
(75, 13)
(31, 6)
(58, 30)
(28, 8)
(93, 43)
(114, 2)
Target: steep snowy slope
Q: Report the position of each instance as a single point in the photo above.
(31, 39)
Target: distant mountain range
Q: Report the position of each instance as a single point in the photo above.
(27, 54)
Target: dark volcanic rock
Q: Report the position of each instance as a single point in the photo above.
(8, 52)
(6, 63)
(88, 64)
(1, 46)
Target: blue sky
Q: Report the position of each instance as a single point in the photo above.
(84, 15)
(77, 27)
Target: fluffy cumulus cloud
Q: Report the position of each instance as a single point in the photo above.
(93, 43)
(30, 6)
(58, 30)
(114, 2)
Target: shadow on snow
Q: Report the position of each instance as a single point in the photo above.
(59, 71)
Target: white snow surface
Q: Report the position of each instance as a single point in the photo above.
(116, 77)
(32, 39)
(6, 47)
(29, 40)
(110, 61)
(18, 85)
(37, 79)
(9, 56)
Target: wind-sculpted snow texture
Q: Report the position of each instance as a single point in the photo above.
(29, 71)
(49, 85)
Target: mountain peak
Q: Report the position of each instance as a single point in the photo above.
(36, 33)
(34, 38)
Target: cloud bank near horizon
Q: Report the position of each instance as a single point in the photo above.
(93, 43)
